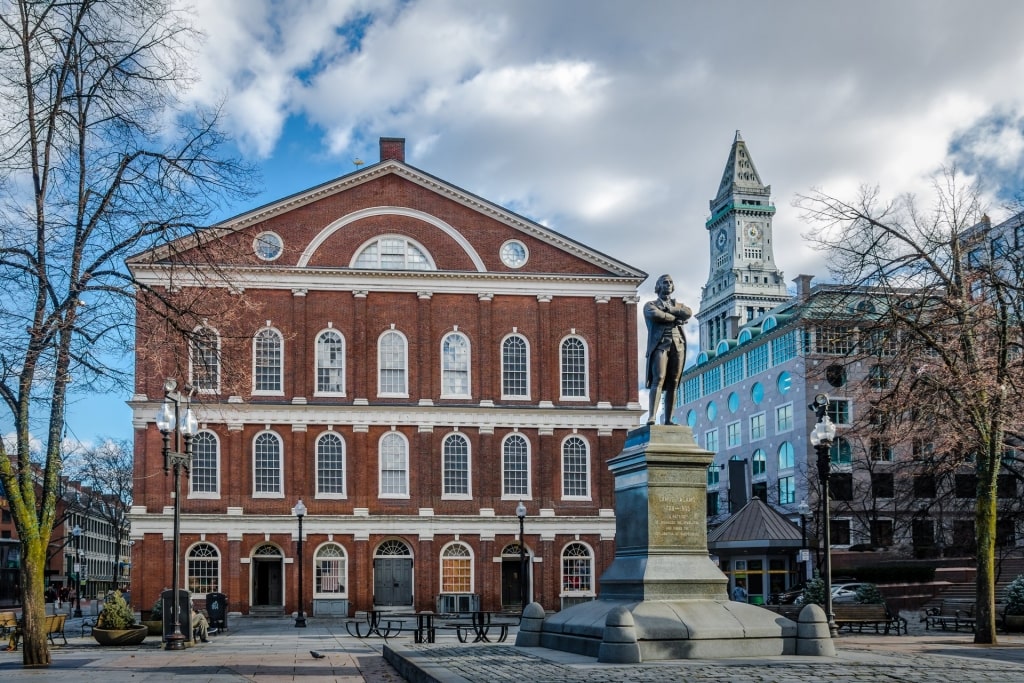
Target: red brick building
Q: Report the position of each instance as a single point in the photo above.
(418, 361)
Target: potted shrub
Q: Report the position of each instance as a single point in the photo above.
(155, 622)
(1013, 614)
(116, 623)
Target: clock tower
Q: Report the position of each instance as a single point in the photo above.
(744, 282)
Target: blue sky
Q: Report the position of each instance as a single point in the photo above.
(611, 122)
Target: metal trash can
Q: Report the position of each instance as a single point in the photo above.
(184, 614)
(217, 610)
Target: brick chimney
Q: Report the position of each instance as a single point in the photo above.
(392, 148)
(803, 286)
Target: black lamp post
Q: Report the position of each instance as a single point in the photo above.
(77, 533)
(805, 511)
(521, 514)
(179, 459)
(822, 435)
(300, 617)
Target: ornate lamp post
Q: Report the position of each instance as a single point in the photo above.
(77, 533)
(805, 511)
(521, 514)
(169, 419)
(822, 436)
(300, 617)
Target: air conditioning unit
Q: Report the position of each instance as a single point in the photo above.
(448, 603)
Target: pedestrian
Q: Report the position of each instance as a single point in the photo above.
(739, 593)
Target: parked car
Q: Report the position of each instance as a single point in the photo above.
(845, 592)
(788, 596)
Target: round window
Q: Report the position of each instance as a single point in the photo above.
(785, 382)
(268, 245)
(514, 254)
(691, 417)
(734, 402)
(835, 375)
(712, 411)
(757, 392)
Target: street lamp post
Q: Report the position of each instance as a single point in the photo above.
(822, 435)
(300, 616)
(805, 511)
(184, 426)
(521, 514)
(77, 533)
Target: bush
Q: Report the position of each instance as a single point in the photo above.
(868, 594)
(1015, 596)
(116, 614)
(814, 591)
(157, 613)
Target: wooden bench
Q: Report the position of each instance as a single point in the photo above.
(860, 615)
(788, 611)
(950, 614)
(55, 627)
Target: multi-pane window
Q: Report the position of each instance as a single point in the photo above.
(787, 460)
(203, 569)
(456, 569)
(330, 363)
(331, 570)
(574, 368)
(393, 253)
(455, 365)
(711, 440)
(733, 370)
(691, 389)
(515, 369)
(267, 464)
(330, 464)
(577, 569)
(757, 360)
(392, 362)
(758, 462)
(732, 434)
(784, 348)
(880, 342)
(881, 533)
(203, 473)
(838, 411)
(515, 467)
(833, 340)
(757, 427)
(840, 452)
(784, 418)
(575, 468)
(880, 449)
(205, 351)
(394, 466)
(714, 475)
(267, 363)
(455, 465)
(787, 490)
(878, 377)
(712, 380)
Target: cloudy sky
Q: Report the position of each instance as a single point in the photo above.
(611, 122)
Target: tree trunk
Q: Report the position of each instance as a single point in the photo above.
(985, 529)
(35, 651)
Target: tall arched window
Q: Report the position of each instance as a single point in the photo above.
(392, 361)
(759, 462)
(330, 363)
(456, 569)
(330, 466)
(266, 464)
(203, 569)
(515, 468)
(575, 468)
(331, 568)
(577, 569)
(268, 367)
(574, 368)
(205, 464)
(455, 465)
(455, 366)
(515, 368)
(204, 358)
(786, 457)
(394, 466)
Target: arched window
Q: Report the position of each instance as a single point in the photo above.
(759, 462)
(575, 468)
(456, 569)
(455, 366)
(515, 368)
(392, 362)
(786, 458)
(574, 368)
(331, 568)
(205, 464)
(266, 463)
(393, 253)
(330, 363)
(203, 569)
(515, 469)
(840, 453)
(330, 466)
(455, 465)
(577, 569)
(394, 466)
(204, 358)
(268, 368)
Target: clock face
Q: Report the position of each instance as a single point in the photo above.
(754, 230)
(513, 254)
(721, 239)
(268, 245)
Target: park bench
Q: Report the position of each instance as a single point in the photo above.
(55, 627)
(878, 615)
(950, 614)
(788, 611)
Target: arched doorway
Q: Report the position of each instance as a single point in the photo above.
(267, 578)
(511, 580)
(392, 575)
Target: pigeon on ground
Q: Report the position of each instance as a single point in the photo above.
(316, 655)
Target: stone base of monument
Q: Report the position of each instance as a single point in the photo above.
(663, 597)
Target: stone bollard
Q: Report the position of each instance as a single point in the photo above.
(812, 636)
(530, 626)
(619, 645)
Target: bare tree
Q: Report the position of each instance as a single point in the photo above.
(98, 161)
(957, 319)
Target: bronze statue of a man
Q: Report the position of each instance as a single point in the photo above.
(666, 347)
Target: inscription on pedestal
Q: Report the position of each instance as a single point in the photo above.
(678, 521)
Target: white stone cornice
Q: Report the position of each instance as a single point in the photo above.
(602, 299)
(544, 298)
(485, 296)
(424, 295)
(299, 291)
(360, 293)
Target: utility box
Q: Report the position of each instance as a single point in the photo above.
(184, 614)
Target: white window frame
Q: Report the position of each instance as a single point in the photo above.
(215, 494)
(562, 370)
(779, 429)
(731, 429)
(317, 364)
(528, 495)
(220, 563)
(331, 495)
(445, 367)
(569, 592)
(380, 466)
(710, 436)
(586, 465)
(764, 426)
(526, 350)
(280, 376)
(343, 578)
(192, 360)
(280, 466)
(404, 369)
(445, 495)
(472, 566)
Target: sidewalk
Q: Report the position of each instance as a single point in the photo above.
(272, 650)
